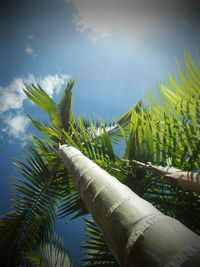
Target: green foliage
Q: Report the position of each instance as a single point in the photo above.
(95, 250)
(48, 130)
(65, 106)
(51, 254)
(60, 115)
(168, 127)
(162, 129)
(35, 206)
(44, 101)
(156, 129)
(72, 205)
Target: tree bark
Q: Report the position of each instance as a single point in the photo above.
(135, 231)
(189, 180)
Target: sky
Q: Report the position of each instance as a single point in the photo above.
(114, 49)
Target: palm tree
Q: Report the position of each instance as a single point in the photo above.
(157, 133)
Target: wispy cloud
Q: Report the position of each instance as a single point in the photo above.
(29, 48)
(90, 24)
(126, 18)
(31, 37)
(15, 123)
(103, 19)
(30, 51)
(12, 96)
(53, 83)
(16, 126)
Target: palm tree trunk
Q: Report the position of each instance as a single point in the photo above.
(189, 180)
(136, 232)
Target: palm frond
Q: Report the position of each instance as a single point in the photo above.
(48, 130)
(9, 225)
(126, 117)
(95, 250)
(50, 254)
(44, 101)
(72, 205)
(65, 106)
(168, 128)
(35, 205)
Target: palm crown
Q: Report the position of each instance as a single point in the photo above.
(159, 132)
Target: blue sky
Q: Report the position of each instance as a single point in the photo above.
(114, 49)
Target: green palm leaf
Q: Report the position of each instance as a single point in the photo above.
(44, 101)
(50, 131)
(35, 206)
(72, 205)
(50, 254)
(164, 129)
(65, 106)
(95, 250)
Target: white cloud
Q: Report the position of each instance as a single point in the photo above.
(30, 51)
(94, 28)
(103, 19)
(12, 100)
(135, 19)
(53, 83)
(16, 126)
(13, 97)
(31, 37)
